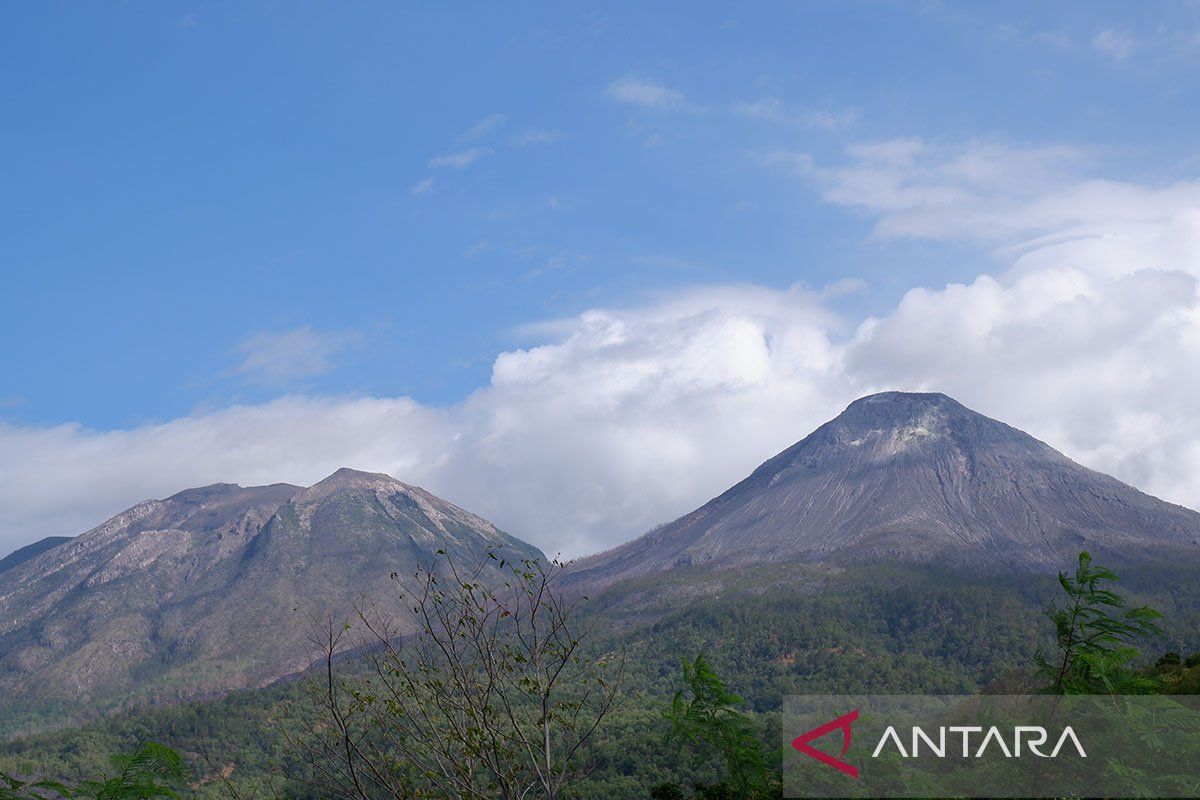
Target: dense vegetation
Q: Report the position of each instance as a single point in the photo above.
(153, 770)
(767, 632)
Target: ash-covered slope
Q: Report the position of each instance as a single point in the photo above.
(214, 588)
(916, 478)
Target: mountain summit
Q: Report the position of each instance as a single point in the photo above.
(214, 588)
(916, 478)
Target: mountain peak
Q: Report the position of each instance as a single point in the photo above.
(351, 473)
(905, 401)
(167, 588)
(349, 476)
(897, 396)
(347, 479)
(898, 409)
(894, 424)
(218, 492)
(914, 477)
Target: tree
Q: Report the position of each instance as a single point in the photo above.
(493, 697)
(151, 771)
(711, 720)
(1169, 660)
(1175, 675)
(667, 791)
(1094, 631)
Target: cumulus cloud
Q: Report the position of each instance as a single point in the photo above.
(654, 409)
(1087, 338)
(621, 418)
(274, 359)
(638, 92)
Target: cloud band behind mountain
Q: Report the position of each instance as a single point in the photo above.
(626, 417)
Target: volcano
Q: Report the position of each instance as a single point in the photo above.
(220, 587)
(914, 478)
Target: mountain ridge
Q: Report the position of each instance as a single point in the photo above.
(199, 593)
(915, 478)
(212, 588)
(31, 551)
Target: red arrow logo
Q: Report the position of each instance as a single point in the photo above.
(842, 723)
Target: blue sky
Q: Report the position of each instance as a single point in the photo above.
(180, 178)
(218, 206)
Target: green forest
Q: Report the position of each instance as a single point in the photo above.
(655, 698)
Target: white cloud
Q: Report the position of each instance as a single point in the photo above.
(479, 248)
(625, 417)
(772, 109)
(274, 359)
(536, 136)
(1115, 44)
(1091, 359)
(638, 92)
(461, 159)
(1058, 39)
(423, 186)
(979, 190)
(66, 479)
(483, 127)
(1086, 340)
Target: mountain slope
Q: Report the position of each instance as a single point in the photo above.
(914, 478)
(217, 587)
(19, 556)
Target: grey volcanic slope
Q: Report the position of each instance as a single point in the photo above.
(917, 478)
(23, 554)
(214, 588)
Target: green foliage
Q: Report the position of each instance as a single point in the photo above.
(1174, 675)
(666, 791)
(711, 720)
(239, 733)
(785, 629)
(883, 630)
(1094, 631)
(1169, 660)
(149, 771)
(12, 788)
(153, 770)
